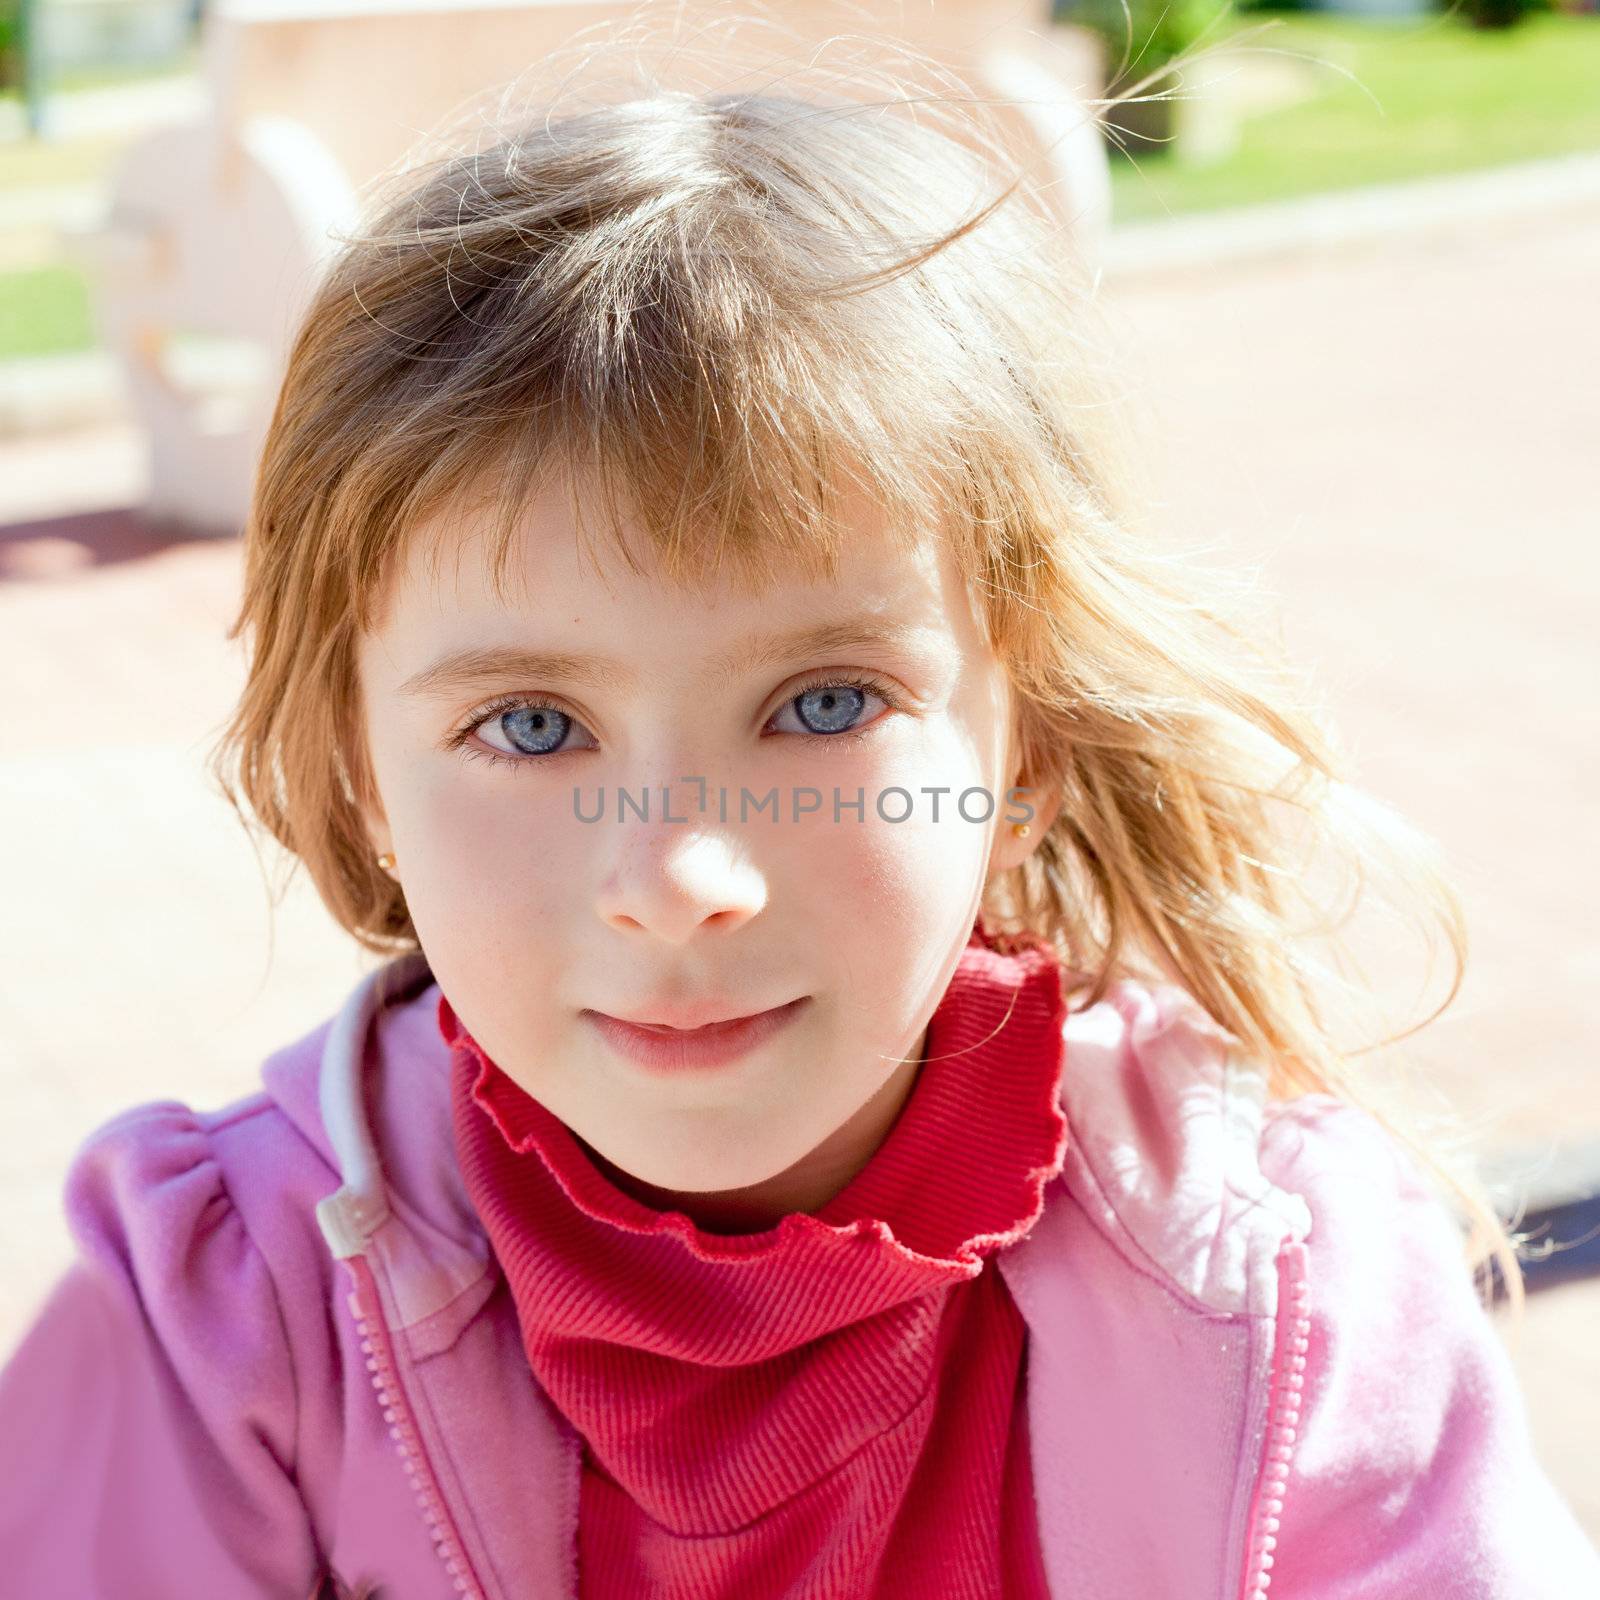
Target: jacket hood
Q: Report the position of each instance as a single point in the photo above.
(369, 1088)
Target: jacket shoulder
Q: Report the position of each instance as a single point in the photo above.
(156, 1386)
(193, 1200)
(1166, 1115)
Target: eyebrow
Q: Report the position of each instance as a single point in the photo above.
(466, 669)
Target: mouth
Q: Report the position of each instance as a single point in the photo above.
(666, 1047)
(701, 1019)
(704, 1031)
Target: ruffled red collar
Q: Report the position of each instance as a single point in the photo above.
(705, 1371)
(960, 1173)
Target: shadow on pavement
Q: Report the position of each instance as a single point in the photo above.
(56, 547)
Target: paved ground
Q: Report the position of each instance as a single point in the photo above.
(1397, 435)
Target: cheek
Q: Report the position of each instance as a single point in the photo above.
(493, 854)
(872, 878)
(919, 875)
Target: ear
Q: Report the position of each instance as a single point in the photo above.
(1022, 801)
(382, 841)
(1037, 808)
(370, 809)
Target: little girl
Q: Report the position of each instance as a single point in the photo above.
(843, 1111)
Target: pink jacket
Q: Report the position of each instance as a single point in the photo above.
(285, 1354)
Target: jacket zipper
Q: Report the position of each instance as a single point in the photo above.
(379, 1351)
(1283, 1417)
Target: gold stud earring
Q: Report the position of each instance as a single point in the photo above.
(386, 861)
(1021, 829)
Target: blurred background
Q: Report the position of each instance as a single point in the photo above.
(1352, 259)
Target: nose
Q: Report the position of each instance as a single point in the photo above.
(674, 881)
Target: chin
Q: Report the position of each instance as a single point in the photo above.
(704, 1178)
(694, 1174)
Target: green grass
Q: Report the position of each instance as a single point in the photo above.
(44, 311)
(110, 76)
(1449, 98)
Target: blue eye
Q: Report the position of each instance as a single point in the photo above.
(828, 709)
(835, 709)
(535, 730)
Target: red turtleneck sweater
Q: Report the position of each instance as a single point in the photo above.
(834, 1407)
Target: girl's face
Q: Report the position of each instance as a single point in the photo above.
(495, 731)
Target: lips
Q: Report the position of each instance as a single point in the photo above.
(703, 1018)
(666, 1048)
(706, 1028)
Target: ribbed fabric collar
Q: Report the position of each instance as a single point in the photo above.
(609, 1289)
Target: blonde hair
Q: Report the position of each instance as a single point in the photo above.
(728, 303)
